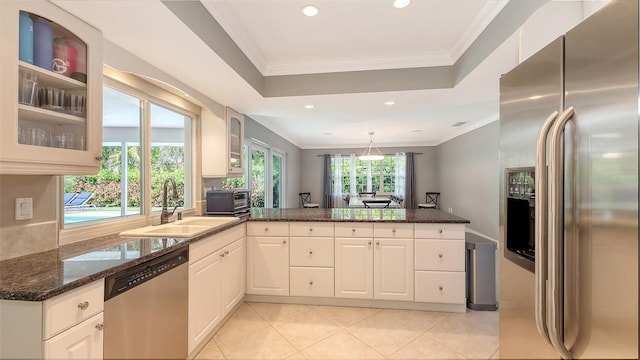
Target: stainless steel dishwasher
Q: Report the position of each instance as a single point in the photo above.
(145, 310)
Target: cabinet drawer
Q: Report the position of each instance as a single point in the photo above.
(440, 231)
(354, 230)
(306, 281)
(311, 229)
(440, 287)
(311, 251)
(440, 255)
(73, 307)
(393, 230)
(268, 228)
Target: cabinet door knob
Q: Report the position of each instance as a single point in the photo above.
(99, 157)
(284, 241)
(222, 255)
(311, 282)
(266, 229)
(393, 231)
(440, 255)
(378, 243)
(439, 231)
(100, 326)
(310, 229)
(369, 243)
(83, 305)
(440, 288)
(226, 252)
(353, 230)
(310, 252)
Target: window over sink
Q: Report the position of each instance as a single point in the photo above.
(147, 138)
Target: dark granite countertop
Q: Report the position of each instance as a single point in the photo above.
(40, 276)
(357, 215)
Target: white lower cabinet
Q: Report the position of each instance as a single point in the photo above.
(311, 259)
(216, 281)
(440, 263)
(374, 268)
(83, 341)
(393, 269)
(354, 268)
(268, 258)
(205, 310)
(67, 326)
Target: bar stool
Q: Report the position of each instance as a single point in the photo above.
(432, 201)
(305, 200)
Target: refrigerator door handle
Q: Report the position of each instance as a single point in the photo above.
(556, 229)
(540, 226)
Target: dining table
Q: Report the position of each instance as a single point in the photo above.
(356, 202)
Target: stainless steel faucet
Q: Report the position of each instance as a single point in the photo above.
(164, 216)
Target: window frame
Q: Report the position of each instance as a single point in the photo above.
(148, 93)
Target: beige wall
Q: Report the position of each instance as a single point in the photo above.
(42, 189)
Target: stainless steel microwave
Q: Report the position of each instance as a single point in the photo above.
(228, 202)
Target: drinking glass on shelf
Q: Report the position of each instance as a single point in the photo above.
(27, 84)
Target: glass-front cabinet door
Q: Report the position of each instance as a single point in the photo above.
(235, 124)
(50, 91)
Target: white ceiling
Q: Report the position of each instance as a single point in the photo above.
(347, 35)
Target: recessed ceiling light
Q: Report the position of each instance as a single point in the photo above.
(399, 4)
(308, 106)
(389, 103)
(310, 10)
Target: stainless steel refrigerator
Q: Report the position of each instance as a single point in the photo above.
(569, 194)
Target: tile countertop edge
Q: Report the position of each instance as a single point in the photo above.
(290, 215)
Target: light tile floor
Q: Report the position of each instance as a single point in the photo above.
(284, 331)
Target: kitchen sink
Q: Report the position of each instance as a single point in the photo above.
(187, 228)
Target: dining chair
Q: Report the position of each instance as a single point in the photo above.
(305, 200)
(377, 203)
(347, 199)
(431, 201)
(367, 193)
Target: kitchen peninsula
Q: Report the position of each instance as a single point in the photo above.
(393, 258)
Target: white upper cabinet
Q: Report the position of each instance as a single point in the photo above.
(222, 144)
(50, 91)
(235, 126)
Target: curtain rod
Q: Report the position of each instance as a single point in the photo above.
(415, 153)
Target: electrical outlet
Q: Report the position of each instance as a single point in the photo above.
(24, 208)
(451, 210)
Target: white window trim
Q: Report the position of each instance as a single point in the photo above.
(135, 86)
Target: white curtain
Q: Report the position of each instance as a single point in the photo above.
(337, 181)
(401, 168)
(353, 189)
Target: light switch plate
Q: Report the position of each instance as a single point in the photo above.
(24, 208)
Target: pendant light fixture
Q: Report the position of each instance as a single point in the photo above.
(372, 152)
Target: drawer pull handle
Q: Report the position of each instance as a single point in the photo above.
(311, 282)
(369, 243)
(310, 252)
(99, 158)
(83, 305)
(353, 230)
(226, 252)
(100, 326)
(310, 229)
(439, 231)
(393, 231)
(222, 255)
(378, 243)
(440, 255)
(440, 288)
(284, 241)
(266, 229)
